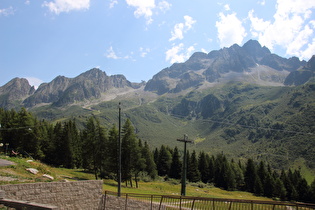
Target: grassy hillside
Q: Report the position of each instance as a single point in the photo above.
(17, 173)
(273, 124)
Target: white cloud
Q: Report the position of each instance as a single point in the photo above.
(58, 6)
(144, 51)
(111, 53)
(27, 2)
(262, 3)
(34, 81)
(204, 50)
(227, 7)
(7, 11)
(181, 28)
(112, 3)
(230, 30)
(292, 27)
(164, 6)
(143, 8)
(177, 54)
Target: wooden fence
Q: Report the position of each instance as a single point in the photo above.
(172, 202)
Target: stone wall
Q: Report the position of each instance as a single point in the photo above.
(64, 195)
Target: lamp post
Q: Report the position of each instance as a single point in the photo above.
(184, 172)
(119, 150)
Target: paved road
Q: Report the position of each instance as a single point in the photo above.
(5, 162)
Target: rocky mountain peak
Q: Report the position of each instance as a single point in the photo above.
(15, 89)
(224, 65)
(253, 47)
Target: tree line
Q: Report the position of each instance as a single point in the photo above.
(94, 148)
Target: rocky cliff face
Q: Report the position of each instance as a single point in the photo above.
(303, 75)
(250, 63)
(91, 84)
(14, 90)
(217, 65)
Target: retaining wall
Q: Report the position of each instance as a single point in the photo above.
(64, 195)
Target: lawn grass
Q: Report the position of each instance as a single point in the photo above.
(173, 187)
(157, 187)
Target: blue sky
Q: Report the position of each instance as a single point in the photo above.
(40, 40)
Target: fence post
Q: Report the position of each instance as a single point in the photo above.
(230, 207)
(193, 204)
(161, 202)
(126, 203)
(151, 202)
(180, 202)
(213, 204)
(105, 197)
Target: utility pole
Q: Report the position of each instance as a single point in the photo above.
(119, 151)
(184, 172)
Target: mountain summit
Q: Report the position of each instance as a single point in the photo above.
(249, 63)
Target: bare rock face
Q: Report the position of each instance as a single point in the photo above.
(14, 90)
(303, 75)
(217, 65)
(91, 84)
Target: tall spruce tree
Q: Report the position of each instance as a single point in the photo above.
(150, 166)
(250, 175)
(193, 174)
(164, 161)
(203, 167)
(176, 165)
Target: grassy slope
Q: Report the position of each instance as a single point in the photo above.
(159, 187)
(289, 107)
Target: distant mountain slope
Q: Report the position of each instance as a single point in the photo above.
(251, 62)
(303, 75)
(13, 91)
(89, 85)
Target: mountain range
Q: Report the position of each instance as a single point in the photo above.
(250, 63)
(242, 100)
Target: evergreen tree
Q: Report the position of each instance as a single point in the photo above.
(280, 191)
(203, 167)
(239, 175)
(164, 161)
(193, 174)
(156, 156)
(211, 167)
(131, 154)
(150, 166)
(250, 175)
(176, 165)
(112, 151)
(269, 186)
(94, 147)
(312, 192)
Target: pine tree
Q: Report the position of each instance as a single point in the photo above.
(131, 154)
(312, 192)
(176, 165)
(150, 167)
(203, 167)
(164, 161)
(112, 151)
(250, 175)
(211, 168)
(193, 174)
(239, 175)
(269, 186)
